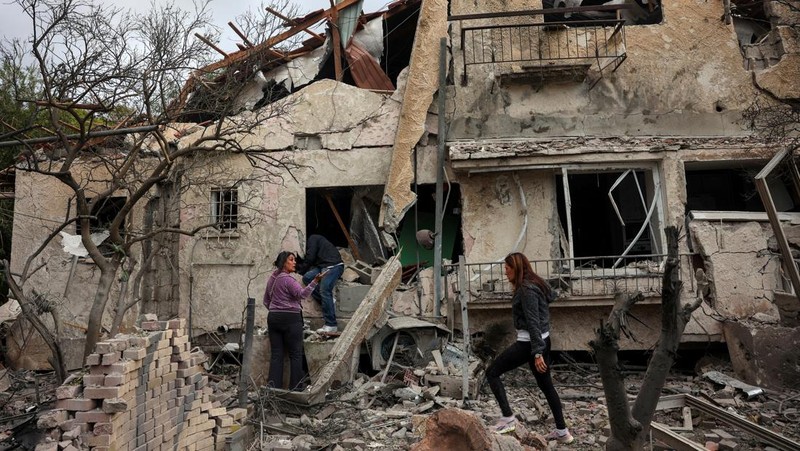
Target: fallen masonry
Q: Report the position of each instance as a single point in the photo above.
(149, 391)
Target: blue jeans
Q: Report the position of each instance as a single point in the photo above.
(324, 291)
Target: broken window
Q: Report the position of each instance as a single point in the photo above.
(639, 12)
(609, 213)
(102, 215)
(348, 218)
(225, 208)
(717, 186)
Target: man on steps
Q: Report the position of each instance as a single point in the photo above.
(322, 256)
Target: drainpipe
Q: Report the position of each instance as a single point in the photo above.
(437, 236)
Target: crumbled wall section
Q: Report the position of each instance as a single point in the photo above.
(141, 392)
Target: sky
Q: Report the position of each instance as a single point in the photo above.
(14, 23)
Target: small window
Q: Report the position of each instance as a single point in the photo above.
(225, 208)
(103, 214)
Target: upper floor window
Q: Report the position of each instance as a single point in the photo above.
(639, 12)
(225, 208)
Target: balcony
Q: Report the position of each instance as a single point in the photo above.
(533, 50)
(585, 281)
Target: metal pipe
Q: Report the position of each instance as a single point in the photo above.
(248, 351)
(437, 235)
(100, 134)
(463, 298)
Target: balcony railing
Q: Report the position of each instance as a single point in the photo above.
(578, 278)
(547, 50)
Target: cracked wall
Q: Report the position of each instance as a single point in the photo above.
(745, 271)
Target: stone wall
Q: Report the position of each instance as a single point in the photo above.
(144, 391)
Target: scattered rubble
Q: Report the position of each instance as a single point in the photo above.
(420, 407)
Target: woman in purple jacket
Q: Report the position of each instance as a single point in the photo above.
(283, 298)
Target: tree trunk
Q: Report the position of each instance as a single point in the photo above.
(29, 313)
(631, 426)
(122, 302)
(95, 325)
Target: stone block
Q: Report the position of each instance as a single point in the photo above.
(51, 418)
(68, 391)
(764, 355)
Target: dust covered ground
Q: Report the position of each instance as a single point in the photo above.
(368, 414)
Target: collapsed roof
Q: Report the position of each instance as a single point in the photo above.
(364, 50)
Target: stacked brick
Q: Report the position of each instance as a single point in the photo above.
(142, 392)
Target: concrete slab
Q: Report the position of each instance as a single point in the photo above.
(764, 355)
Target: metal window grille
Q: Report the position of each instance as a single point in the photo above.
(225, 208)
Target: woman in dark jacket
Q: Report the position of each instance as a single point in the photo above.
(531, 315)
(283, 298)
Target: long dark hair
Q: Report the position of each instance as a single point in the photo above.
(523, 272)
(281, 260)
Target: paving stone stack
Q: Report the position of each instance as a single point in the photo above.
(141, 392)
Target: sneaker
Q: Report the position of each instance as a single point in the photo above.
(327, 330)
(504, 425)
(565, 439)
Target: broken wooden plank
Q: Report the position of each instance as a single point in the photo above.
(368, 313)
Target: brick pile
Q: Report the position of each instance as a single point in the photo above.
(142, 392)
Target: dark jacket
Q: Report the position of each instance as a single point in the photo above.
(530, 311)
(320, 252)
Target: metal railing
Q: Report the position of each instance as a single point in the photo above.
(584, 277)
(546, 46)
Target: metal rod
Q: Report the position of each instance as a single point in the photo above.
(244, 375)
(99, 134)
(440, 150)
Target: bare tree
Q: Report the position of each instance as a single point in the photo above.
(630, 425)
(102, 68)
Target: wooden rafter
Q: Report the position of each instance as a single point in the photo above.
(266, 46)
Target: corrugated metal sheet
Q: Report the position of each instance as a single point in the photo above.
(365, 70)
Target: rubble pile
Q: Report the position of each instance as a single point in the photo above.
(403, 414)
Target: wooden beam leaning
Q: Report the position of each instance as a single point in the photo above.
(208, 42)
(240, 34)
(292, 22)
(336, 37)
(350, 242)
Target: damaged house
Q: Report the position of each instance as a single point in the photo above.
(574, 133)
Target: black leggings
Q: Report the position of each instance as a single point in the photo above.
(515, 356)
(286, 334)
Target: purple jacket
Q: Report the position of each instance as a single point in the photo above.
(284, 293)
